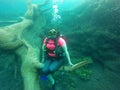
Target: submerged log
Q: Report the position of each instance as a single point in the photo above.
(11, 38)
(77, 65)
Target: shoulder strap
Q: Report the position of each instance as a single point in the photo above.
(46, 41)
(56, 43)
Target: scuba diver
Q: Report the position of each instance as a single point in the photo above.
(54, 53)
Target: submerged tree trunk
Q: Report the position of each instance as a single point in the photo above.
(11, 38)
(30, 65)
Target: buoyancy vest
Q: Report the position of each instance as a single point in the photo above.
(53, 48)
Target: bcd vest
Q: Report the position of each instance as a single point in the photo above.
(58, 51)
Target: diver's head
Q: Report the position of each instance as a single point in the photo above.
(52, 33)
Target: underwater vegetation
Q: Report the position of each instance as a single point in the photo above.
(92, 31)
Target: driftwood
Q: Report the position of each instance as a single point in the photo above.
(77, 65)
(11, 37)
